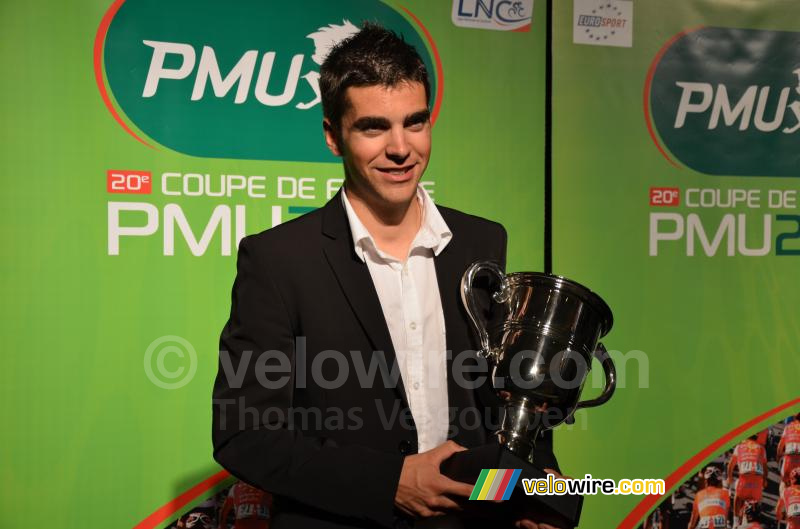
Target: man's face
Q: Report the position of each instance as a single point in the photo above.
(384, 141)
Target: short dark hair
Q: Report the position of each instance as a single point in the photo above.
(373, 56)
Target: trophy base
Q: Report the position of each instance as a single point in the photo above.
(560, 511)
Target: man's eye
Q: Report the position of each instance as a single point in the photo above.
(419, 125)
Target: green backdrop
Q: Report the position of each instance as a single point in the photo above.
(709, 341)
(89, 440)
(704, 343)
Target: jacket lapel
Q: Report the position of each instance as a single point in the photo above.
(450, 266)
(356, 283)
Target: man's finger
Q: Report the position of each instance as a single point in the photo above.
(447, 449)
(424, 512)
(440, 503)
(456, 488)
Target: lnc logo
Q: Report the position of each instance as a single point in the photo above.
(233, 79)
(504, 15)
(727, 101)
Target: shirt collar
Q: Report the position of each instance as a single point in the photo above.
(433, 234)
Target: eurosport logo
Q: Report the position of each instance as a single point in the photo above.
(602, 22)
(234, 79)
(726, 101)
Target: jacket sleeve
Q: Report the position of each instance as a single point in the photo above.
(253, 437)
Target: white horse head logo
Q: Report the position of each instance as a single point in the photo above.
(328, 36)
(324, 39)
(797, 73)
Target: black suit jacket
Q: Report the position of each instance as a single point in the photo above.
(295, 419)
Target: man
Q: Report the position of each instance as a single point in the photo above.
(250, 507)
(762, 437)
(751, 459)
(201, 516)
(789, 449)
(368, 284)
(195, 520)
(711, 504)
(750, 515)
(659, 518)
(788, 507)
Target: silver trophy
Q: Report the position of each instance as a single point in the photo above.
(540, 351)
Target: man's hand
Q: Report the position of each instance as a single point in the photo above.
(423, 489)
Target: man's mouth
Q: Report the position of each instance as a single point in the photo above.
(397, 172)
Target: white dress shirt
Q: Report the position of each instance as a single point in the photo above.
(409, 295)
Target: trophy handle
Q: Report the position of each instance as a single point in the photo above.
(471, 304)
(611, 379)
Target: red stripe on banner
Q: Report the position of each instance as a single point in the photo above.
(501, 490)
(161, 514)
(676, 477)
(99, 39)
(647, 83)
(526, 27)
(437, 103)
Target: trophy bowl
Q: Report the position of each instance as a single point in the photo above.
(541, 350)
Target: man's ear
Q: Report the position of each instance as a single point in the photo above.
(331, 137)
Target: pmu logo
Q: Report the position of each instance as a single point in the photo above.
(234, 79)
(727, 101)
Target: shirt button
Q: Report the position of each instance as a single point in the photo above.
(413, 326)
(416, 385)
(408, 447)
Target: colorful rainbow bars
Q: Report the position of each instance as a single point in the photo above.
(495, 484)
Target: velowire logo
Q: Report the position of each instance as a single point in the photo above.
(727, 101)
(234, 79)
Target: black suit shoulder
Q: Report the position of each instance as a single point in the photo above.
(476, 236)
(299, 241)
(455, 218)
(294, 234)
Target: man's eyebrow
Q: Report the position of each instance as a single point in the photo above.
(371, 122)
(417, 117)
(376, 122)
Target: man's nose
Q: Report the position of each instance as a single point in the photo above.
(398, 149)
